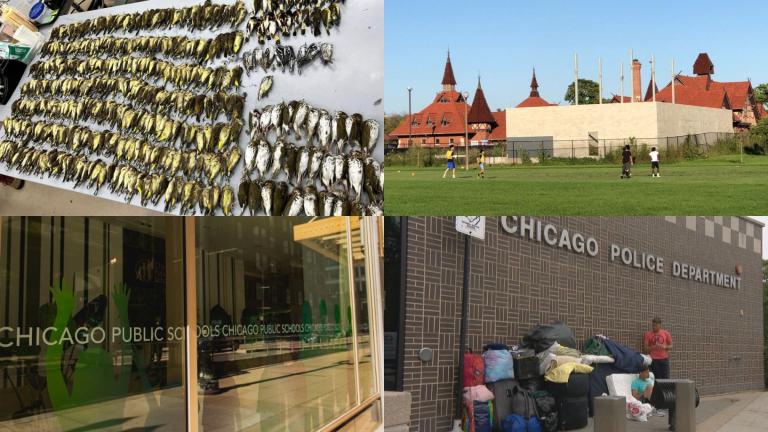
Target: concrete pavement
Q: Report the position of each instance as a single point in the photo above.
(739, 412)
(40, 200)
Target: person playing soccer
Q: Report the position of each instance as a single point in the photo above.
(451, 163)
(654, 154)
(481, 161)
(626, 162)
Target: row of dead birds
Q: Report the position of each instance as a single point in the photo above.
(141, 94)
(152, 158)
(284, 57)
(304, 165)
(121, 179)
(181, 76)
(273, 198)
(278, 19)
(198, 17)
(304, 121)
(174, 47)
(124, 118)
(189, 195)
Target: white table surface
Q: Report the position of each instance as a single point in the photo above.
(354, 83)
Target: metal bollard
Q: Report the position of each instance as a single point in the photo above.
(610, 414)
(685, 406)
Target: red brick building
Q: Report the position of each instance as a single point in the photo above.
(701, 90)
(445, 120)
(534, 100)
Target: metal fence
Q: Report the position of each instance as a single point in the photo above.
(541, 149)
(601, 148)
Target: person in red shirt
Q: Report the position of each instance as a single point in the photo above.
(657, 343)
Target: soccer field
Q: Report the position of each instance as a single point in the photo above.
(716, 186)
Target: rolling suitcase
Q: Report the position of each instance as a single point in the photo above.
(577, 386)
(502, 399)
(573, 413)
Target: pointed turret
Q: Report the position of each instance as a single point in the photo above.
(479, 112)
(449, 81)
(534, 85)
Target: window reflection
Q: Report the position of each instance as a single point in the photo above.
(80, 299)
(281, 288)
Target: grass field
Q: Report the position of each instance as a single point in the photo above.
(720, 185)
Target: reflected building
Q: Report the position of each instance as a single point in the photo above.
(122, 323)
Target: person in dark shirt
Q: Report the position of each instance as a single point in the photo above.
(626, 162)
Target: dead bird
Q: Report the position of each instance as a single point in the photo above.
(263, 157)
(339, 129)
(280, 198)
(291, 153)
(355, 174)
(311, 202)
(324, 129)
(370, 135)
(328, 172)
(278, 157)
(267, 196)
(326, 201)
(227, 200)
(302, 164)
(265, 87)
(243, 190)
(295, 204)
(315, 163)
(300, 118)
(326, 53)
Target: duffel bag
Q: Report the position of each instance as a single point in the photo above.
(474, 370)
(498, 365)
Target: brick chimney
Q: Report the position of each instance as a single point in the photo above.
(636, 81)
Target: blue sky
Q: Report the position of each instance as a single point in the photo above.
(503, 40)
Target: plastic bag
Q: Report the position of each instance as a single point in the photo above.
(498, 365)
(542, 336)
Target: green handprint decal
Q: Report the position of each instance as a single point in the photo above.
(65, 301)
(94, 375)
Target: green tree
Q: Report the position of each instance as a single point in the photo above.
(391, 121)
(761, 94)
(759, 133)
(589, 93)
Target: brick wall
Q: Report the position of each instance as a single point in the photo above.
(516, 283)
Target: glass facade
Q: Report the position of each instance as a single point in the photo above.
(96, 330)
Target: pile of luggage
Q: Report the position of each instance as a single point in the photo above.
(542, 385)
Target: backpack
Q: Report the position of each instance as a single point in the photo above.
(547, 408)
(522, 402)
(474, 370)
(516, 423)
(478, 417)
(545, 402)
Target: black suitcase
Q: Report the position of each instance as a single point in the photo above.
(573, 413)
(533, 384)
(526, 368)
(577, 386)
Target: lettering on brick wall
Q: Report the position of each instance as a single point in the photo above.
(542, 232)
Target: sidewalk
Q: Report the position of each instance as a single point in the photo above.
(38, 199)
(738, 412)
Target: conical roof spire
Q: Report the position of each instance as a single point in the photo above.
(449, 81)
(534, 85)
(479, 112)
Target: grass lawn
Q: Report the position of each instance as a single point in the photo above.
(716, 186)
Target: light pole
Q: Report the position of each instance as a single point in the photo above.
(410, 128)
(466, 132)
